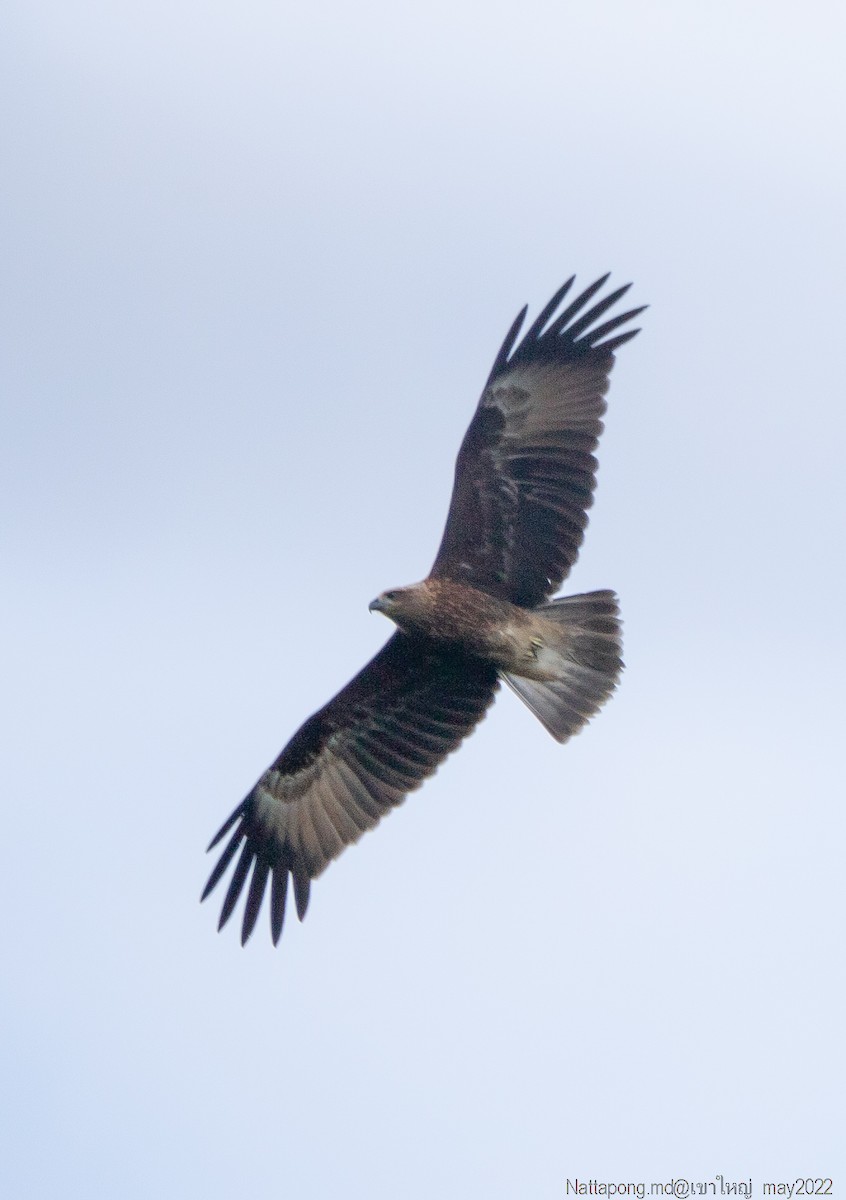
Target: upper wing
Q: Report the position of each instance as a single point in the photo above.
(525, 472)
(351, 762)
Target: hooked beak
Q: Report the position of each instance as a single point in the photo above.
(376, 605)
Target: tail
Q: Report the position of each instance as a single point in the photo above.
(590, 649)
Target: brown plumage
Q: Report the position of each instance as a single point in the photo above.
(524, 481)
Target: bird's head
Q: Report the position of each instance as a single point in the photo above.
(406, 606)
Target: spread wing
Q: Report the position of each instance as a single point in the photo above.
(525, 474)
(348, 765)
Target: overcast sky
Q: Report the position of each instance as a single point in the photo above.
(257, 260)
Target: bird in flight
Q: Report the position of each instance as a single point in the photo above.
(524, 481)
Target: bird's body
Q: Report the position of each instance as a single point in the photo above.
(524, 481)
(455, 613)
(525, 642)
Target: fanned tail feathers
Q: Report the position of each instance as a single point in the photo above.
(591, 647)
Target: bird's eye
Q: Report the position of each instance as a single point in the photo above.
(390, 595)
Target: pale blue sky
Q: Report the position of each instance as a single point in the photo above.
(257, 262)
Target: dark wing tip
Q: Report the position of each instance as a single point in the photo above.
(278, 895)
(223, 862)
(569, 333)
(535, 329)
(510, 339)
(613, 343)
(302, 889)
(265, 867)
(236, 883)
(255, 895)
(227, 824)
(595, 335)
